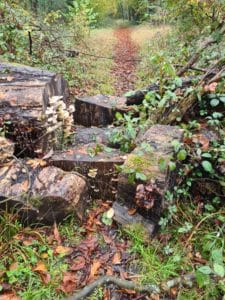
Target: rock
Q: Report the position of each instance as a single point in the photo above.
(123, 216)
(98, 110)
(149, 196)
(95, 162)
(6, 149)
(33, 104)
(41, 194)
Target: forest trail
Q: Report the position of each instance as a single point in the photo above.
(125, 54)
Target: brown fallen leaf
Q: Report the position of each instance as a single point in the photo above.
(116, 258)
(109, 271)
(201, 139)
(94, 269)
(78, 264)
(13, 266)
(56, 234)
(63, 250)
(69, 282)
(9, 296)
(154, 296)
(107, 239)
(41, 269)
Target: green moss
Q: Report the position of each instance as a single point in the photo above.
(141, 164)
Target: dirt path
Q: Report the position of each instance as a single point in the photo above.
(124, 63)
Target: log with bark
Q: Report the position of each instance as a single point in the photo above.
(148, 196)
(41, 194)
(33, 104)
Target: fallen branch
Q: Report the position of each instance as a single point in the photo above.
(205, 44)
(129, 285)
(125, 284)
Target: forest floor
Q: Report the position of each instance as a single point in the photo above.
(125, 58)
(55, 262)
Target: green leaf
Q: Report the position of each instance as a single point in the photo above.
(202, 279)
(178, 81)
(182, 155)
(176, 145)
(141, 176)
(172, 166)
(119, 116)
(107, 149)
(205, 270)
(207, 155)
(214, 102)
(106, 220)
(217, 256)
(162, 164)
(207, 166)
(219, 269)
(222, 99)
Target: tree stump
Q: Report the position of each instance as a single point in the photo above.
(98, 110)
(149, 197)
(33, 104)
(95, 162)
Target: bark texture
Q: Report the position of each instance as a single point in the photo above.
(28, 106)
(41, 194)
(92, 161)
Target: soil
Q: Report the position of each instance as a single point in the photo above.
(125, 61)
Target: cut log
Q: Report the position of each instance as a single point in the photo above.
(96, 163)
(6, 150)
(149, 196)
(98, 110)
(28, 103)
(124, 218)
(41, 194)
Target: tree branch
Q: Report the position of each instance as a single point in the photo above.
(125, 284)
(206, 43)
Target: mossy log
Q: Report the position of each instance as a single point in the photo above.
(41, 194)
(28, 106)
(95, 162)
(148, 197)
